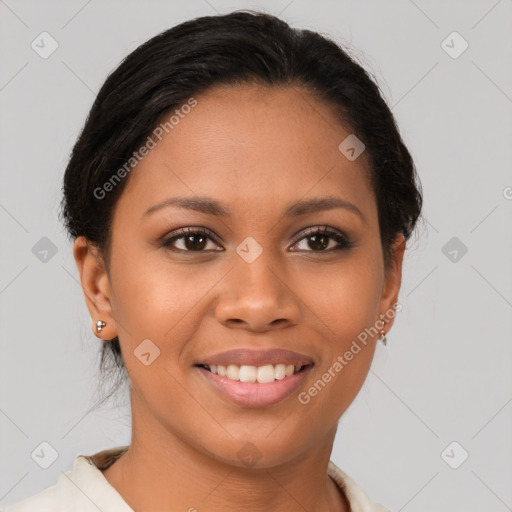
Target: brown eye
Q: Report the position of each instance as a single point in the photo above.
(320, 240)
(192, 240)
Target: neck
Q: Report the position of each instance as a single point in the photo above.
(161, 472)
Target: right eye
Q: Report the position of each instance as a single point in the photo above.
(193, 240)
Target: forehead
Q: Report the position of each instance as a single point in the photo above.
(250, 146)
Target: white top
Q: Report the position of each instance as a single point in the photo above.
(85, 489)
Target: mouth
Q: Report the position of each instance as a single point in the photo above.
(249, 373)
(255, 378)
(255, 394)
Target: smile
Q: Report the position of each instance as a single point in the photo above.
(262, 374)
(254, 393)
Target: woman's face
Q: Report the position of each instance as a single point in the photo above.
(247, 164)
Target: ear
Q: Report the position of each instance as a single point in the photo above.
(391, 287)
(95, 285)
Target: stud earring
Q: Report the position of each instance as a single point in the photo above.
(99, 325)
(383, 338)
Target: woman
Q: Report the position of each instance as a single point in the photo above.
(240, 200)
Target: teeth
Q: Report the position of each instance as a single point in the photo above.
(280, 371)
(261, 374)
(266, 374)
(247, 374)
(233, 372)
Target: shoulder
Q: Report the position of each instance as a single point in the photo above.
(358, 499)
(82, 488)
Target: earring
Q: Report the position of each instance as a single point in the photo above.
(383, 338)
(99, 325)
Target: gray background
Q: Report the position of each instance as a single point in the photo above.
(446, 373)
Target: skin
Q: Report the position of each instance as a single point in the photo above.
(256, 150)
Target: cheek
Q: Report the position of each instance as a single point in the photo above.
(337, 385)
(142, 281)
(346, 298)
(161, 303)
(346, 301)
(148, 300)
(347, 359)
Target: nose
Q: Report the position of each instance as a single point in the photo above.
(257, 297)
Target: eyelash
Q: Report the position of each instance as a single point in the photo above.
(343, 241)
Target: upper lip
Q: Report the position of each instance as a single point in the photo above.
(252, 357)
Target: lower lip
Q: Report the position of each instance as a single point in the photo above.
(254, 394)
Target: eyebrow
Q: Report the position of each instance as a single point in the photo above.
(210, 206)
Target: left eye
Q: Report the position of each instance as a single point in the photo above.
(196, 240)
(319, 237)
